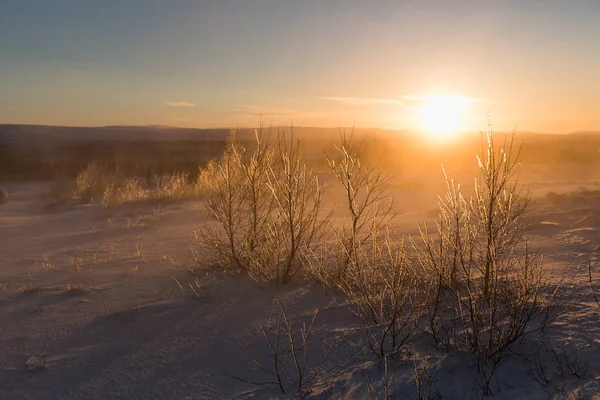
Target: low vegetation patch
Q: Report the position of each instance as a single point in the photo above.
(76, 288)
(30, 288)
(95, 183)
(471, 283)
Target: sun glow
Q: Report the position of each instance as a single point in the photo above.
(442, 116)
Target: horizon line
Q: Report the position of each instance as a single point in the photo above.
(158, 126)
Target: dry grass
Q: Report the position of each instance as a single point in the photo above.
(132, 191)
(97, 183)
(92, 181)
(176, 188)
(138, 251)
(78, 262)
(30, 288)
(140, 220)
(193, 289)
(36, 362)
(76, 288)
(43, 263)
(163, 294)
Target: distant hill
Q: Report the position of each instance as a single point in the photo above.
(37, 151)
(126, 133)
(585, 133)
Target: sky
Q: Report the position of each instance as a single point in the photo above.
(529, 64)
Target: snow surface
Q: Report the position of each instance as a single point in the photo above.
(126, 330)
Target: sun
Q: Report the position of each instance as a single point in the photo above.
(442, 116)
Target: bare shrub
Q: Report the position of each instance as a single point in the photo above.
(132, 191)
(295, 367)
(176, 188)
(194, 289)
(488, 290)
(373, 270)
(549, 361)
(231, 206)
(386, 383)
(137, 220)
(204, 180)
(30, 288)
(76, 288)
(267, 208)
(297, 223)
(110, 196)
(386, 296)
(88, 183)
(424, 375)
(36, 362)
(368, 201)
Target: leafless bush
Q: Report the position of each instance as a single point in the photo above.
(424, 376)
(369, 204)
(132, 191)
(267, 207)
(549, 361)
(114, 188)
(386, 384)
(30, 288)
(295, 367)
(488, 290)
(176, 188)
(194, 289)
(297, 222)
(386, 296)
(238, 201)
(76, 288)
(373, 270)
(88, 183)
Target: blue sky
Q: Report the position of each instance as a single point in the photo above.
(328, 63)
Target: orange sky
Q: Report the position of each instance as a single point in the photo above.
(532, 65)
